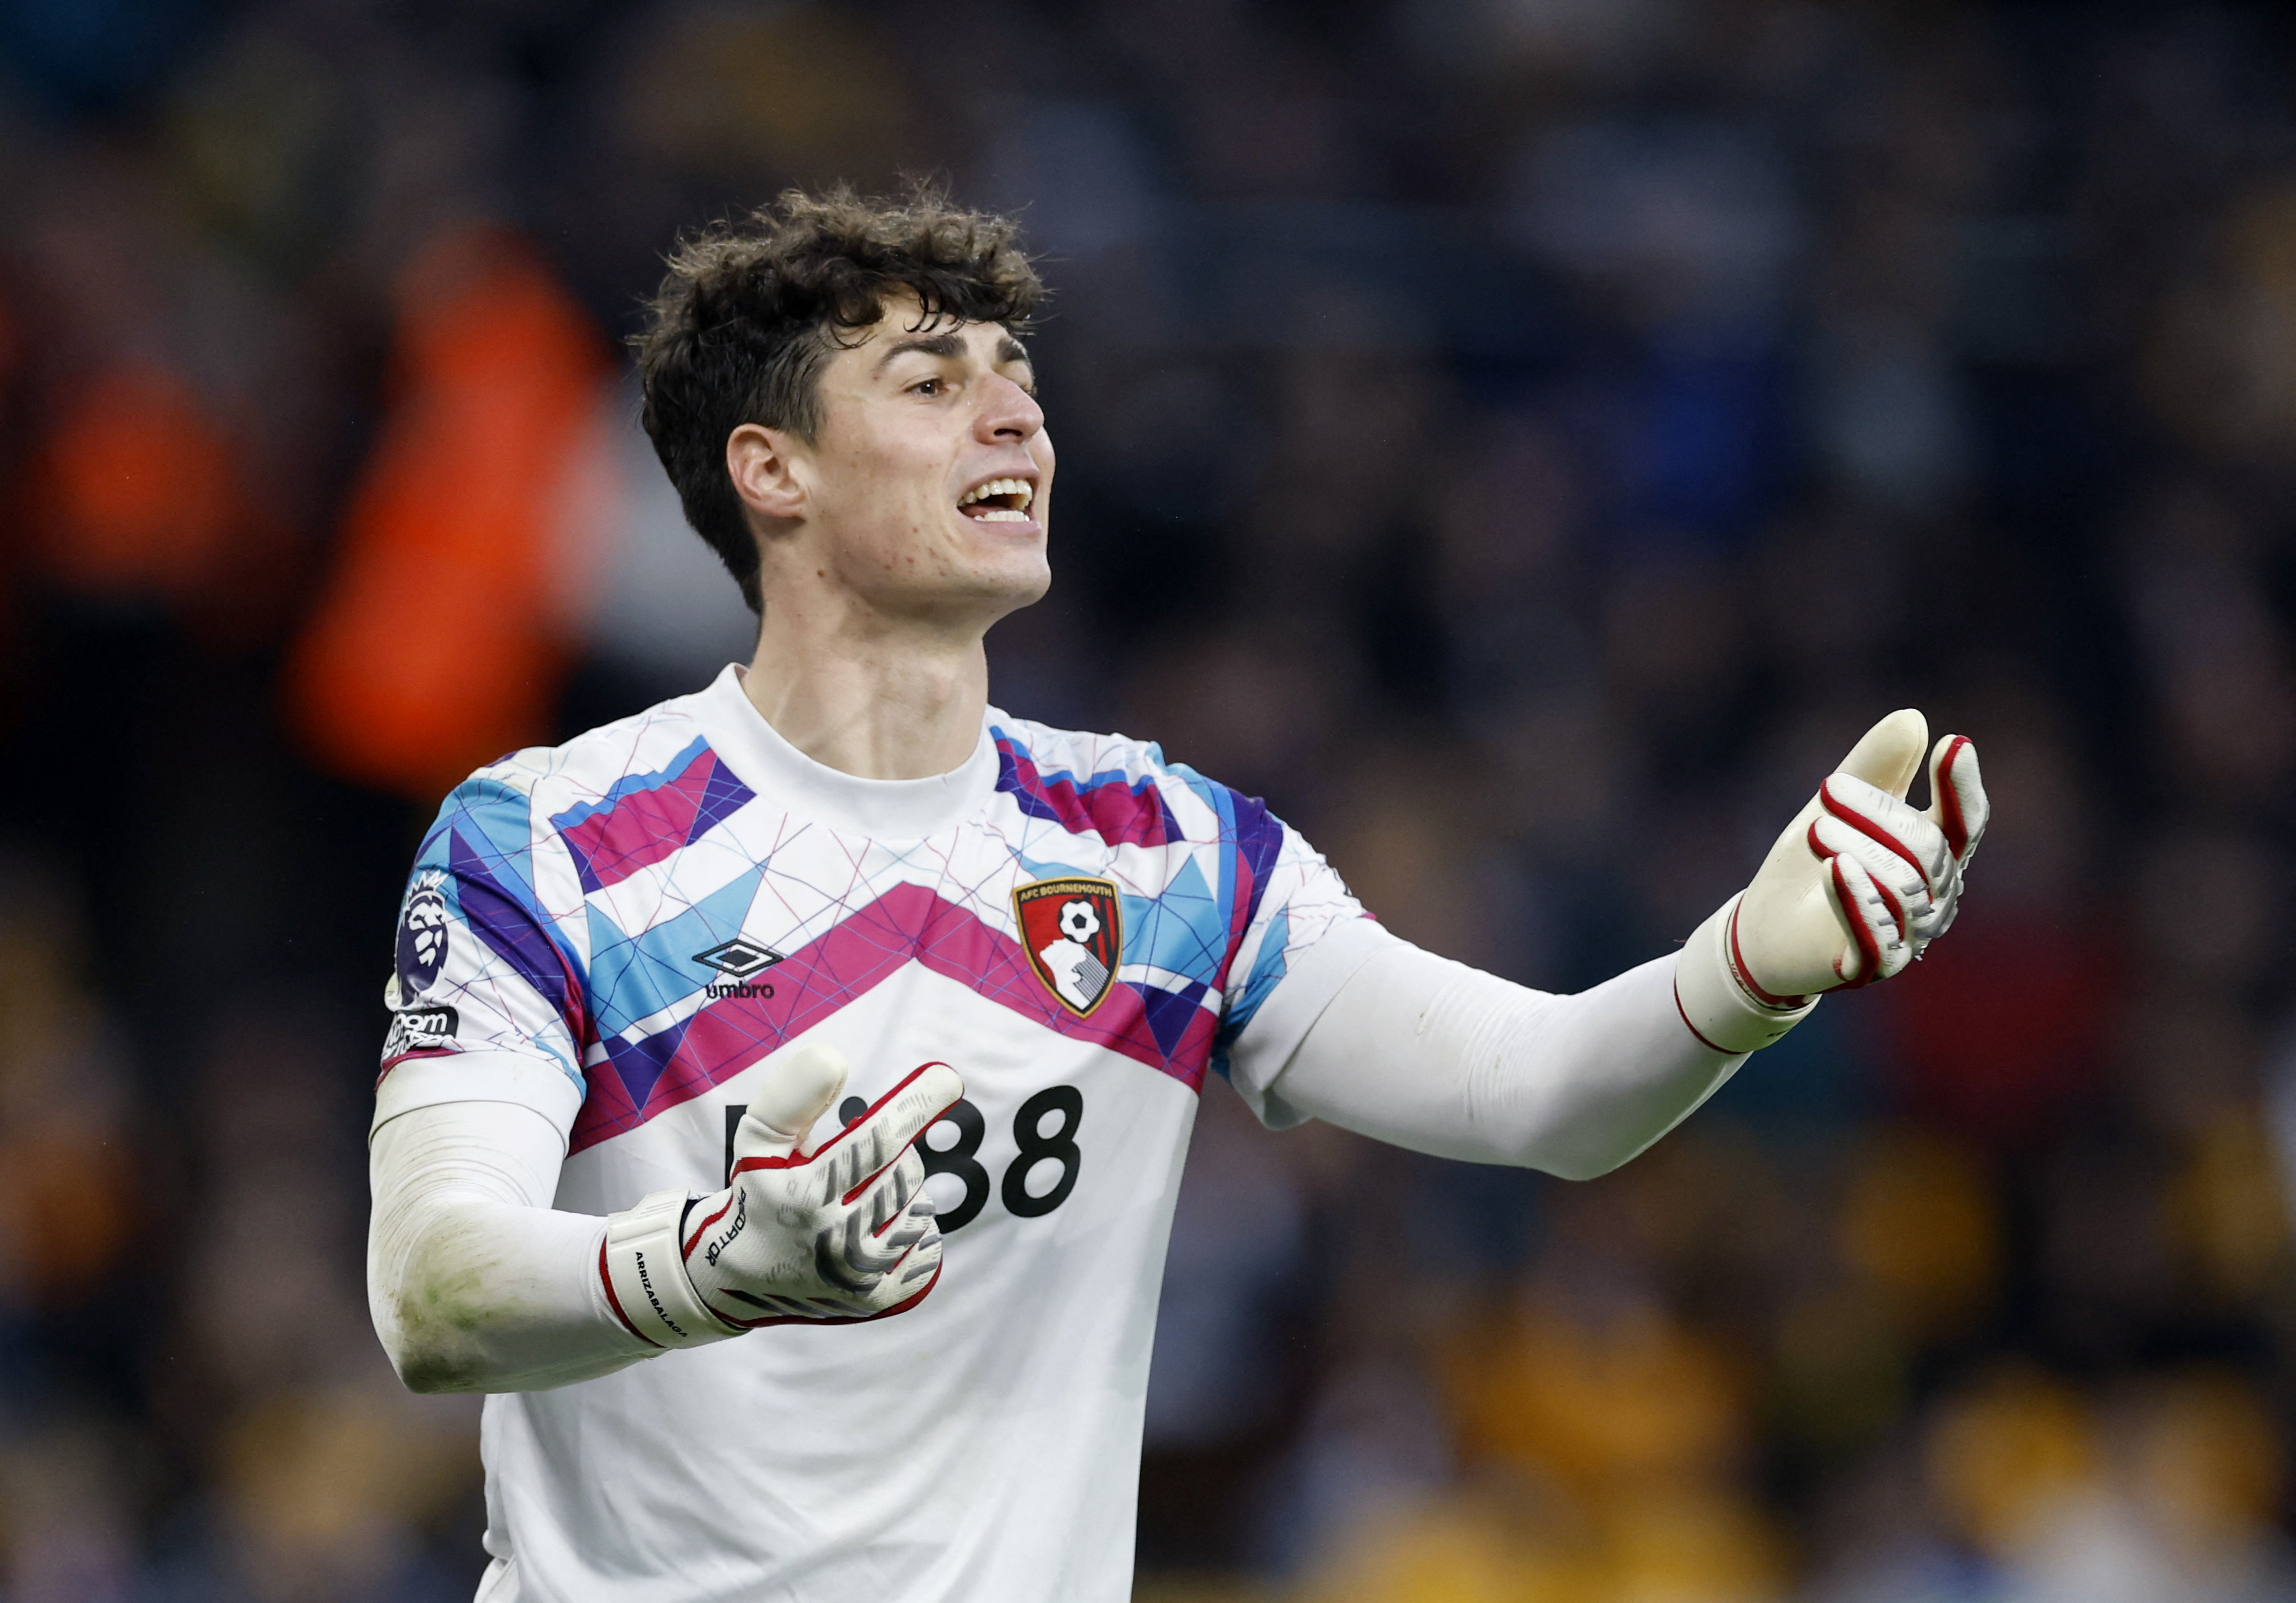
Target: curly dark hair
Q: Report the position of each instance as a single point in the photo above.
(750, 310)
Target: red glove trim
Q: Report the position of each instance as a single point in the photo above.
(1694, 1030)
(1865, 826)
(702, 1229)
(1867, 947)
(1948, 799)
(615, 1302)
(797, 1160)
(792, 1319)
(1896, 909)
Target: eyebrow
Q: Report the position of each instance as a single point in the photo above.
(949, 344)
(946, 344)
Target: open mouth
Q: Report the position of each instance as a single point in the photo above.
(999, 500)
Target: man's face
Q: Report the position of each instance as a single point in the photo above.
(927, 487)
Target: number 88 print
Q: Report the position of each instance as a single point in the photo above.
(1059, 1107)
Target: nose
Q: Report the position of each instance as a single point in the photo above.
(1008, 412)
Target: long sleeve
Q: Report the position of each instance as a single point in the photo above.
(475, 1283)
(1429, 1054)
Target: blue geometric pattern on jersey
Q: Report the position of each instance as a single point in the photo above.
(511, 932)
(723, 798)
(1181, 930)
(1266, 970)
(635, 977)
(493, 820)
(1256, 834)
(1121, 810)
(1171, 1013)
(483, 841)
(1046, 868)
(646, 818)
(640, 1064)
(628, 785)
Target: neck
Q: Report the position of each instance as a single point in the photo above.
(873, 696)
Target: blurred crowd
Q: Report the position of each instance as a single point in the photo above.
(1526, 440)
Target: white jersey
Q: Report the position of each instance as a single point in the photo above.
(619, 931)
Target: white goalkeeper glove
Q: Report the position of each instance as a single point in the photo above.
(1859, 883)
(834, 1236)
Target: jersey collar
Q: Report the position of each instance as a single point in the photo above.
(777, 771)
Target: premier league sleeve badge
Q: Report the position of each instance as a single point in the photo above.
(422, 929)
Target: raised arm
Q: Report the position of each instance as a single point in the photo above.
(1427, 1053)
(1433, 1055)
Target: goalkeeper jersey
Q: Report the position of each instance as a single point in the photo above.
(619, 931)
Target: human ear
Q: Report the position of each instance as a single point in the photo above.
(759, 461)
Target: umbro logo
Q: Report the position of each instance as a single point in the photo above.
(737, 959)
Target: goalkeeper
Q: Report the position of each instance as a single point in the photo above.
(787, 1087)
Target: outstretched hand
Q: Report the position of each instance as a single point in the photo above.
(1861, 881)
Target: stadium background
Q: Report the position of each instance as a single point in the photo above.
(1525, 439)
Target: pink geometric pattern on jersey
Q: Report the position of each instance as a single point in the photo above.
(1171, 1032)
(1120, 811)
(641, 827)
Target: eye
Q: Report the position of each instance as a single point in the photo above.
(928, 387)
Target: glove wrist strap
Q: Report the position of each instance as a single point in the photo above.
(643, 1268)
(1714, 999)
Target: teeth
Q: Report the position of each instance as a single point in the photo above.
(1003, 487)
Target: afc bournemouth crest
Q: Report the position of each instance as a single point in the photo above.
(1070, 930)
